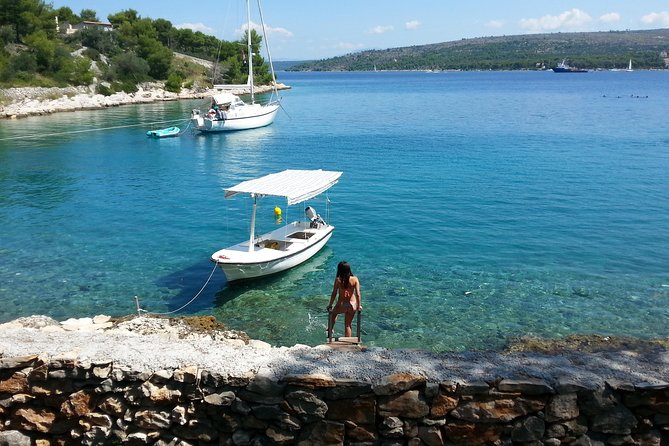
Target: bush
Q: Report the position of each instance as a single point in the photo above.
(103, 90)
(173, 83)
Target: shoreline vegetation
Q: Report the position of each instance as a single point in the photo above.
(36, 101)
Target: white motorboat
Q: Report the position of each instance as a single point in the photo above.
(228, 112)
(289, 245)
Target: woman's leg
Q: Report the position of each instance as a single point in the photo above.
(348, 319)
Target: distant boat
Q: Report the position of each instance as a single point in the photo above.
(629, 67)
(562, 67)
(164, 133)
(228, 112)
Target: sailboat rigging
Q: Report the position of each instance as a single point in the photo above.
(228, 111)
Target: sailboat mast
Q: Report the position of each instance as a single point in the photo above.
(250, 48)
(269, 54)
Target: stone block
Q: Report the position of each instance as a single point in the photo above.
(442, 405)
(526, 386)
(360, 410)
(430, 435)
(619, 421)
(19, 362)
(528, 429)
(306, 405)
(409, 404)
(316, 380)
(398, 382)
(562, 407)
(322, 433)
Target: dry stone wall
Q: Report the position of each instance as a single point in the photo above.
(66, 402)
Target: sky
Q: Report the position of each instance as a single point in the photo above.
(319, 29)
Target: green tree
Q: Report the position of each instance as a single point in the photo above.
(130, 67)
(89, 15)
(165, 31)
(156, 55)
(65, 14)
(43, 48)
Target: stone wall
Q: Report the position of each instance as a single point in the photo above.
(63, 402)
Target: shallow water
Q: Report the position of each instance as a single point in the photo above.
(474, 207)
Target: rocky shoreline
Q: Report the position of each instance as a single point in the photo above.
(35, 101)
(152, 343)
(189, 381)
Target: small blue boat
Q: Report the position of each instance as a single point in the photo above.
(164, 133)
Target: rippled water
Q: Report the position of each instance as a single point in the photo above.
(474, 207)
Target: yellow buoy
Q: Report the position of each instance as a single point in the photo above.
(277, 211)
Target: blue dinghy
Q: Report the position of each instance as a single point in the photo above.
(164, 133)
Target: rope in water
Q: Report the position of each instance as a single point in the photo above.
(140, 310)
(97, 129)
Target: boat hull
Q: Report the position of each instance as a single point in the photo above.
(251, 267)
(248, 117)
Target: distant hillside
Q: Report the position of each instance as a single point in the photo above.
(523, 52)
(286, 65)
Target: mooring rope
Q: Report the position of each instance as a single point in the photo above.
(42, 135)
(140, 310)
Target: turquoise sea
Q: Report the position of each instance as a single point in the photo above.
(475, 207)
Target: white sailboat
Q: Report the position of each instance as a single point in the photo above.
(289, 245)
(629, 67)
(228, 111)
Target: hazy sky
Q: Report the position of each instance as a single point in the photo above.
(316, 29)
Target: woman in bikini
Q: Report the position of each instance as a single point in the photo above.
(350, 301)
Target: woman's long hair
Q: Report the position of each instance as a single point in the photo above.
(344, 273)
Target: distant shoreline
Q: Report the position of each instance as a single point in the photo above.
(37, 101)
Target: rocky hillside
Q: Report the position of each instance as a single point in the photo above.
(536, 51)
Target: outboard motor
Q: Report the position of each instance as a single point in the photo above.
(316, 220)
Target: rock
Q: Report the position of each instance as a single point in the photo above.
(311, 380)
(442, 405)
(392, 427)
(186, 375)
(14, 438)
(528, 429)
(430, 435)
(19, 362)
(323, 432)
(360, 410)
(409, 404)
(397, 382)
(495, 411)
(306, 405)
(618, 420)
(562, 407)
(526, 387)
(220, 399)
(17, 383)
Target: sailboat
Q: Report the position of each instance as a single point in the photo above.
(228, 111)
(629, 67)
(289, 245)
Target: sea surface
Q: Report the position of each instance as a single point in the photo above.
(475, 207)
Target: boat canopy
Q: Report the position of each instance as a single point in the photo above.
(295, 185)
(224, 98)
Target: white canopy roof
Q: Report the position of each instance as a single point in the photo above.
(224, 98)
(296, 185)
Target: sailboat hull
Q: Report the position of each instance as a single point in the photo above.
(248, 116)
